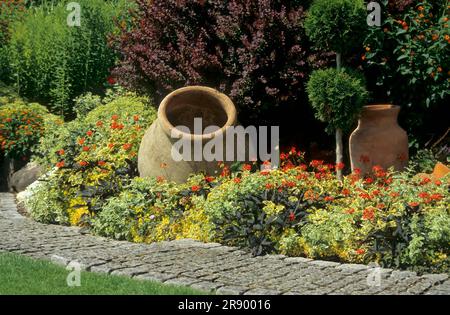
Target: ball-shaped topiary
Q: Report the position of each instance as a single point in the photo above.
(336, 25)
(337, 97)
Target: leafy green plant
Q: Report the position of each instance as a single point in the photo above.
(409, 52)
(336, 25)
(21, 127)
(51, 62)
(337, 97)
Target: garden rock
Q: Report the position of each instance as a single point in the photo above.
(21, 179)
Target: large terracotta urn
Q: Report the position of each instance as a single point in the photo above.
(183, 107)
(378, 140)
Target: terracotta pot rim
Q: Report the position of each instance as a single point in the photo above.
(223, 100)
(379, 107)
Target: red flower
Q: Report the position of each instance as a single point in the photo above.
(225, 172)
(111, 145)
(368, 180)
(86, 148)
(237, 180)
(111, 80)
(438, 183)
(414, 204)
(114, 117)
(81, 141)
(195, 188)
(127, 146)
(163, 165)
(60, 164)
(368, 214)
(340, 166)
(61, 152)
(246, 167)
(101, 163)
(136, 118)
(89, 133)
(291, 216)
(209, 179)
(160, 179)
(269, 186)
(360, 251)
(394, 194)
(425, 181)
(83, 163)
(357, 171)
(329, 198)
(436, 197)
(316, 163)
(365, 195)
(99, 123)
(424, 195)
(345, 192)
(350, 211)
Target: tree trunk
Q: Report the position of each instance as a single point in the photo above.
(338, 61)
(339, 152)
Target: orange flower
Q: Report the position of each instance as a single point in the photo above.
(114, 117)
(101, 163)
(195, 188)
(360, 251)
(111, 145)
(89, 133)
(209, 179)
(246, 167)
(81, 141)
(414, 204)
(99, 123)
(127, 146)
(86, 148)
(237, 180)
(61, 152)
(60, 164)
(368, 214)
(136, 118)
(83, 163)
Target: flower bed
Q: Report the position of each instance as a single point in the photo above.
(301, 209)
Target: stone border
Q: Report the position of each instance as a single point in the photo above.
(210, 267)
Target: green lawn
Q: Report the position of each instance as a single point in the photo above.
(23, 275)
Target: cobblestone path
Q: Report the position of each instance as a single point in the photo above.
(210, 267)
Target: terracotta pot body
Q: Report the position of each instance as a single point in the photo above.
(379, 140)
(180, 108)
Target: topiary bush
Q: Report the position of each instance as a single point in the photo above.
(336, 25)
(255, 51)
(50, 62)
(337, 97)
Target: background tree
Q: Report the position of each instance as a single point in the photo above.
(339, 26)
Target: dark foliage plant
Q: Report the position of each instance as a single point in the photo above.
(253, 50)
(258, 231)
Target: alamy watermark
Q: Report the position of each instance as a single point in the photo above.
(234, 144)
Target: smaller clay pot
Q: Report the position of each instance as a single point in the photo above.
(379, 140)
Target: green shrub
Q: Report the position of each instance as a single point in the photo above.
(336, 25)
(150, 210)
(52, 62)
(21, 128)
(337, 97)
(95, 156)
(85, 103)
